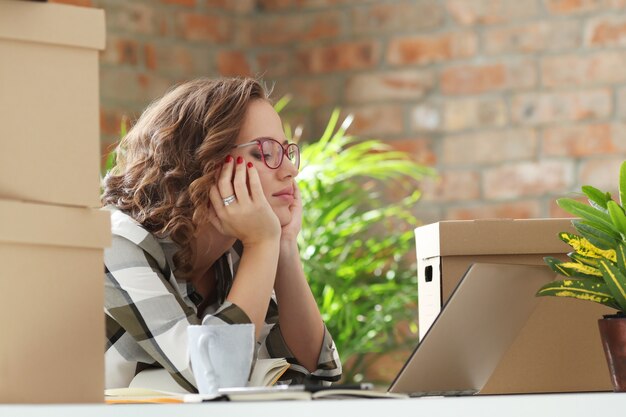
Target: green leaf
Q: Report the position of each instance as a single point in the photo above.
(581, 289)
(280, 104)
(615, 282)
(583, 259)
(594, 235)
(622, 184)
(595, 196)
(554, 265)
(617, 217)
(620, 253)
(589, 213)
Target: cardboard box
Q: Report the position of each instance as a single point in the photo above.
(559, 349)
(51, 303)
(49, 102)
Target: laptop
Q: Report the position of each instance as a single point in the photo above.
(481, 319)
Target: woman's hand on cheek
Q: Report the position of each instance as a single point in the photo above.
(249, 217)
(290, 231)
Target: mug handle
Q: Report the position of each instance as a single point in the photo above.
(204, 345)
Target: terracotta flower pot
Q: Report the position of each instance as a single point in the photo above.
(613, 335)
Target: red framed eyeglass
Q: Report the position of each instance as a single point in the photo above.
(273, 152)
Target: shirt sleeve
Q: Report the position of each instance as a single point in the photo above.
(274, 346)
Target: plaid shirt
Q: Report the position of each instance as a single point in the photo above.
(148, 310)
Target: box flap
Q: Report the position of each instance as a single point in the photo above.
(56, 24)
(491, 237)
(41, 224)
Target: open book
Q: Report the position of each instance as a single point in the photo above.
(156, 385)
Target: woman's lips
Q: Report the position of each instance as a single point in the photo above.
(285, 194)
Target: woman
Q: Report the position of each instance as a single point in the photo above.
(205, 215)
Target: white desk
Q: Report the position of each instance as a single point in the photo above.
(552, 405)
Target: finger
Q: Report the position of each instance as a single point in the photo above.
(217, 203)
(225, 183)
(256, 189)
(241, 189)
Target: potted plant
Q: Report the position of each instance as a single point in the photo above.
(355, 240)
(596, 269)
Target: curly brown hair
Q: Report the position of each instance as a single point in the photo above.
(170, 158)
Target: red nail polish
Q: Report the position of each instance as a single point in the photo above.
(239, 160)
(249, 164)
(229, 158)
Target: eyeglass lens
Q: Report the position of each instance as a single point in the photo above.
(273, 153)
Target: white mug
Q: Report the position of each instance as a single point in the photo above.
(221, 355)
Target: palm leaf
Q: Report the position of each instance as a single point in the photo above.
(581, 289)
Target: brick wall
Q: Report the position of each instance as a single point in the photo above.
(515, 102)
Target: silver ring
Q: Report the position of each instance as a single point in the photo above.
(229, 200)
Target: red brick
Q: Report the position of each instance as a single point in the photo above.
(621, 103)
(530, 37)
(410, 84)
(136, 18)
(618, 134)
(573, 6)
(184, 3)
(299, 4)
(295, 28)
(554, 107)
(274, 63)
(489, 147)
(233, 63)
(393, 17)
(371, 121)
(475, 112)
(420, 149)
(427, 116)
(178, 60)
(120, 51)
(237, 6)
(528, 179)
(577, 141)
(121, 84)
(602, 173)
(569, 70)
(457, 185)
(606, 31)
(204, 27)
(513, 210)
(312, 93)
(485, 12)
(338, 57)
(428, 49)
(477, 79)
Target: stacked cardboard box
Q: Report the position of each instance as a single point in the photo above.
(559, 349)
(52, 235)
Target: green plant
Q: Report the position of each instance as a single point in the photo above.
(596, 270)
(354, 244)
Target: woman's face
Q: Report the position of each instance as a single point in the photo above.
(262, 121)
